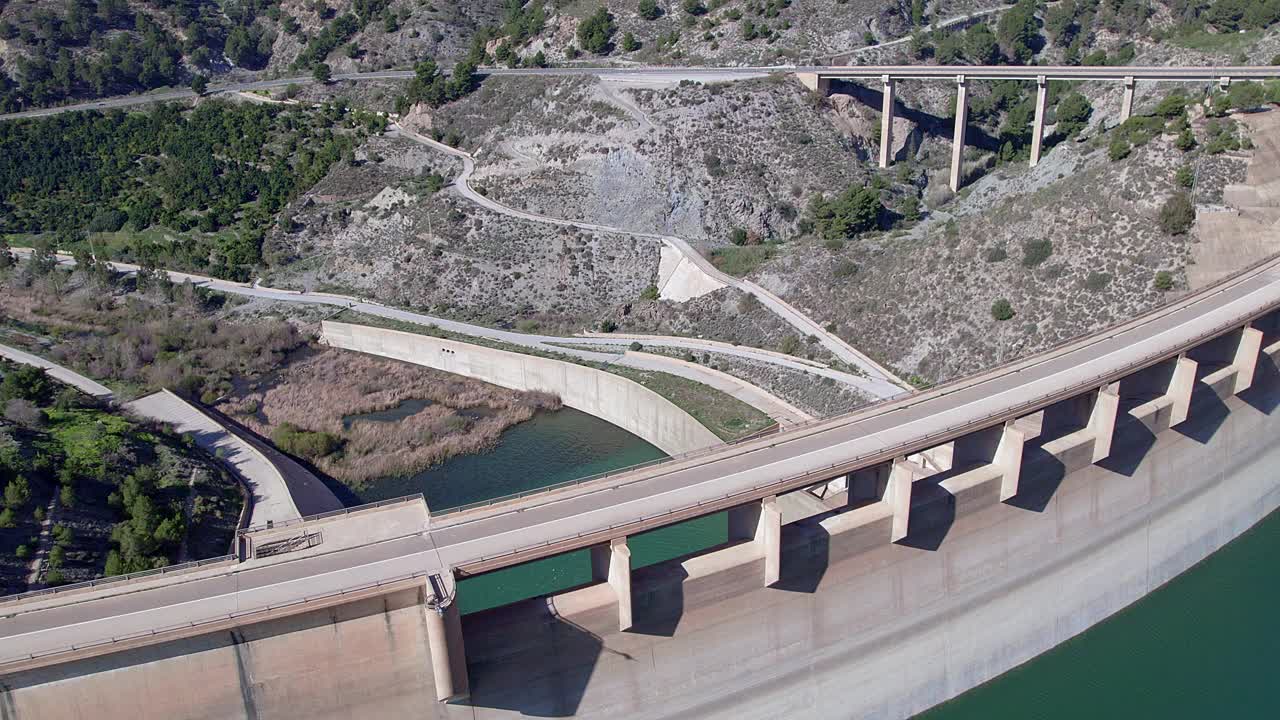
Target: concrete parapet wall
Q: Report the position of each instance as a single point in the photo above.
(363, 659)
(612, 398)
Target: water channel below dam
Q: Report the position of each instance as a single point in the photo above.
(1204, 645)
(550, 448)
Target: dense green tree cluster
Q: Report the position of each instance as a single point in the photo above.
(522, 20)
(853, 211)
(221, 168)
(79, 48)
(595, 34)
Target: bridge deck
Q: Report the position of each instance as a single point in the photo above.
(508, 534)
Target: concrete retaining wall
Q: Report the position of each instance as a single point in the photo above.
(612, 398)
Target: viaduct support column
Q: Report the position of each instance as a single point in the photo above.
(444, 639)
(761, 523)
(1009, 459)
(1246, 359)
(886, 122)
(1037, 126)
(1181, 385)
(957, 143)
(612, 563)
(1102, 420)
(898, 493)
(1126, 107)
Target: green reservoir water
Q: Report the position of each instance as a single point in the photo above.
(551, 447)
(1206, 645)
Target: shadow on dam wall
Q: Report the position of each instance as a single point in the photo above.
(527, 658)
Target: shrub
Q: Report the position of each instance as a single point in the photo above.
(650, 293)
(304, 443)
(789, 344)
(649, 10)
(596, 32)
(1097, 281)
(54, 577)
(1172, 106)
(1185, 141)
(1073, 114)
(1119, 149)
(996, 253)
(845, 269)
(635, 347)
(8, 519)
(629, 43)
(23, 552)
(834, 244)
(63, 535)
(738, 236)
(1163, 281)
(1185, 176)
(1035, 252)
(608, 326)
(1001, 310)
(1178, 214)
(853, 211)
(17, 493)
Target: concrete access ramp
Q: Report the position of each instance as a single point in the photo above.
(610, 397)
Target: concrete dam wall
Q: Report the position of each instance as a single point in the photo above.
(612, 398)
(855, 627)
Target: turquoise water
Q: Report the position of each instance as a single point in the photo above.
(551, 447)
(1206, 645)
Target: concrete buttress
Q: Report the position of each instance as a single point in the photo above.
(612, 563)
(886, 122)
(957, 143)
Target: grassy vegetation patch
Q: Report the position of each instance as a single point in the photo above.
(742, 260)
(722, 414)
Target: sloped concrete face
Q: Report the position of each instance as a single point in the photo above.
(365, 659)
(895, 629)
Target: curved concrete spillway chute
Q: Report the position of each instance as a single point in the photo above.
(612, 398)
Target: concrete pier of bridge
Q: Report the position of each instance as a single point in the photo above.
(819, 79)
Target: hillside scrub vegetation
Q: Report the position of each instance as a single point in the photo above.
(312, 408)
(124, 496)
(163, 335)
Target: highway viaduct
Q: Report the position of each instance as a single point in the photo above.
(819, 78)
(1110, 463)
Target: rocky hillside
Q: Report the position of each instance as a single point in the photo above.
(381, 226)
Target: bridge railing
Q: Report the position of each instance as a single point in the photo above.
(195, 625)
(275, 525)
(907, 401)
(774, 428)
(118, 579)
(928, 440)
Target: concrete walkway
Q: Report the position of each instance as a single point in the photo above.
(281, 490)
(58, 372)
